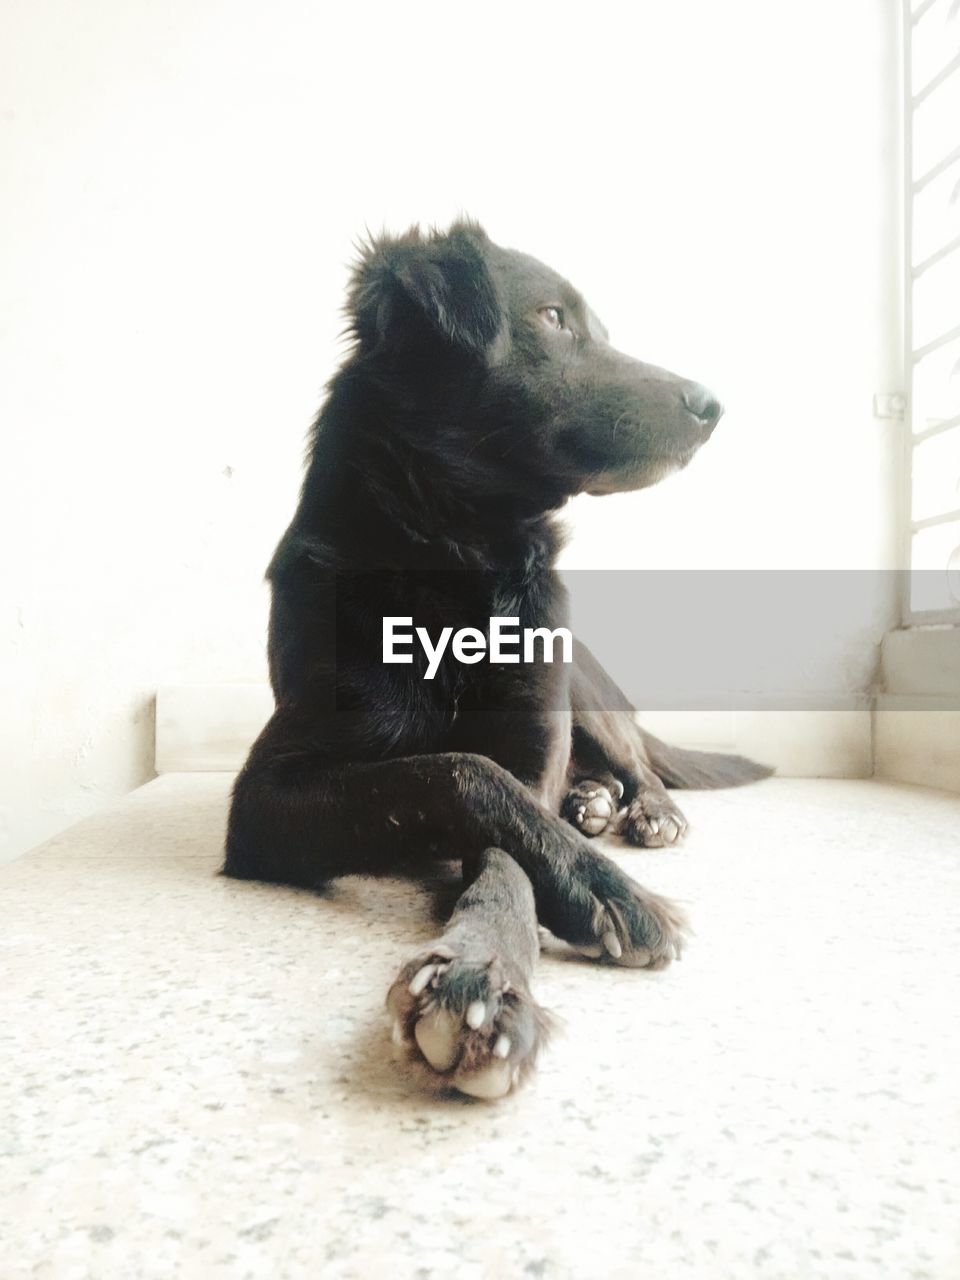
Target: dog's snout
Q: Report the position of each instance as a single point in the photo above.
(703, 404)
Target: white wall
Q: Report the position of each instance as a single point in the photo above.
(181, 183)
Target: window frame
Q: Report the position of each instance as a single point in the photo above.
(913, 12)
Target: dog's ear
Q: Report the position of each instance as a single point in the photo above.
(411, 286)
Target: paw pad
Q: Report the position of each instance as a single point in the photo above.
(591, 807)
(654, 821)
(465, 1024)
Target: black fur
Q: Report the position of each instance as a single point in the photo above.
(480, 394)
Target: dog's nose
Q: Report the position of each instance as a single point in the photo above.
(703, 404)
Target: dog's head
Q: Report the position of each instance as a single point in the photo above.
(504, 372)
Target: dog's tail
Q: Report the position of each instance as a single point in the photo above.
(700, 770)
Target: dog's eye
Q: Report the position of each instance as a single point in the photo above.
(553, 317)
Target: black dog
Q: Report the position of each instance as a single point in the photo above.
(480, 394)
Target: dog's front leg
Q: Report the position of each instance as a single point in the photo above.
(462, 1005)
(300, 819)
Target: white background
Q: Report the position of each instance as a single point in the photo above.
(182, 183)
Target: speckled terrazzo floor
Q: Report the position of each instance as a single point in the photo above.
(196, 1081)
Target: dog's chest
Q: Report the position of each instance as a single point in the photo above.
(520, 717)
(516, 711)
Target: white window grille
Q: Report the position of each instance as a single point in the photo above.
(931, 97)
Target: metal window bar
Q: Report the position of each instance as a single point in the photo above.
(937, 429)
(914, 100)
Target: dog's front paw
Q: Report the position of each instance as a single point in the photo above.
(653, 820)
(591, 806)
(622, 922)
(464, 1024)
